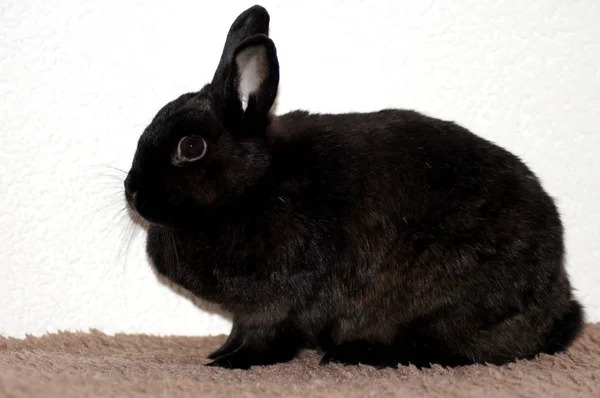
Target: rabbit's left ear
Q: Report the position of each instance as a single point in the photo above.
(246, 80)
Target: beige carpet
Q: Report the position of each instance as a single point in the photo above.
(96, 365)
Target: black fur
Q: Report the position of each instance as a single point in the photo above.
(381, 238)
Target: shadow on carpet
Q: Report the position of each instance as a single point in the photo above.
(97, 365)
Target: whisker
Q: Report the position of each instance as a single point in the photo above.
(173, 258)
(167, 255)
(107, 179)
(119, 214)
(175, 248)
(119, 170)
(125, 231)
(108, 167)
(128, 233)
(173, 253)
(101, 207)
(134, 232)
(108, 174)
(108, 190)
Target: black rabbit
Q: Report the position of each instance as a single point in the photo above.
(379, 238)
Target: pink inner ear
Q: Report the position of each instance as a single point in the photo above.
(253, 70)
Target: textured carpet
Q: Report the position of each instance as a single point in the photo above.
(97, 365)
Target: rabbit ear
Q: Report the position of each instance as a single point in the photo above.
(255, 20)
(245, 83)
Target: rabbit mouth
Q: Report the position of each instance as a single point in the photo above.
(136, 205)
(143, 209)
(149, 209)
(130, 197)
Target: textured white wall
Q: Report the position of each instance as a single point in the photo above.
(80, 80)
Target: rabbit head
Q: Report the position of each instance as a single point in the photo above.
(206, 146)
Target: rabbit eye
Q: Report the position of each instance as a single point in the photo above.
(191, 148)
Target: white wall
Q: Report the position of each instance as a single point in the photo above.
(80, 80)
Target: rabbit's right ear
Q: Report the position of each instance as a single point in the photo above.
(246, 80)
